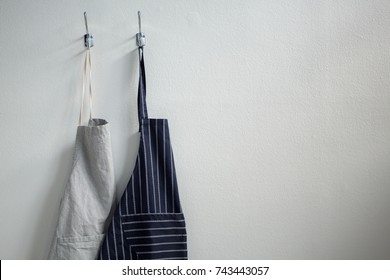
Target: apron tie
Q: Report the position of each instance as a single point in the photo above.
(142, 109)
(87, 62)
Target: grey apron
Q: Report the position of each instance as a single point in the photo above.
(89, 195)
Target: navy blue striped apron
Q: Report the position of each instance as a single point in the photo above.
(149, 222)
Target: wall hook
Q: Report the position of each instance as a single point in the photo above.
(89, 42)
(140, 36)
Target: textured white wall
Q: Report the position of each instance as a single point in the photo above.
(279, 114)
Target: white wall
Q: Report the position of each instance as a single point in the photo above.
(279, 114)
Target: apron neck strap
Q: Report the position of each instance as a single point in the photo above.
(142, 110)
(87, 65)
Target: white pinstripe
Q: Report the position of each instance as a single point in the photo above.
(173, 183)
(108, 251)
(127, 202)
(151, 166)
(132, 186)
(162, 251)
(156, 236)
(113, 229)
(139, 181)
(150, 229)
(157, 244)
(157, 163)
(165, 172)
(120, 226)
(146, 171)
(151, 221)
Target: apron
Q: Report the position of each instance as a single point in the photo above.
(149, 222)
(89, 195)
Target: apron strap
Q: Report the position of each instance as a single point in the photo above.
(142, 110)
(89, 66)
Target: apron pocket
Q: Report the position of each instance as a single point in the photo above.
(79, 248)
(155, 236)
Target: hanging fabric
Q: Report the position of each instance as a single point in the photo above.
(149, 222)
(89, 195)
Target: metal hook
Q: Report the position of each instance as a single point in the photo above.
(139, 21)
(88, 38)
(86, 21)
(140, 36)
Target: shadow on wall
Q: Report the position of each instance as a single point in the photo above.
(127, 128)
(44, 231)
(46, 222)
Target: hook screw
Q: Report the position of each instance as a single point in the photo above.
(89, 41)
(140, 36)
